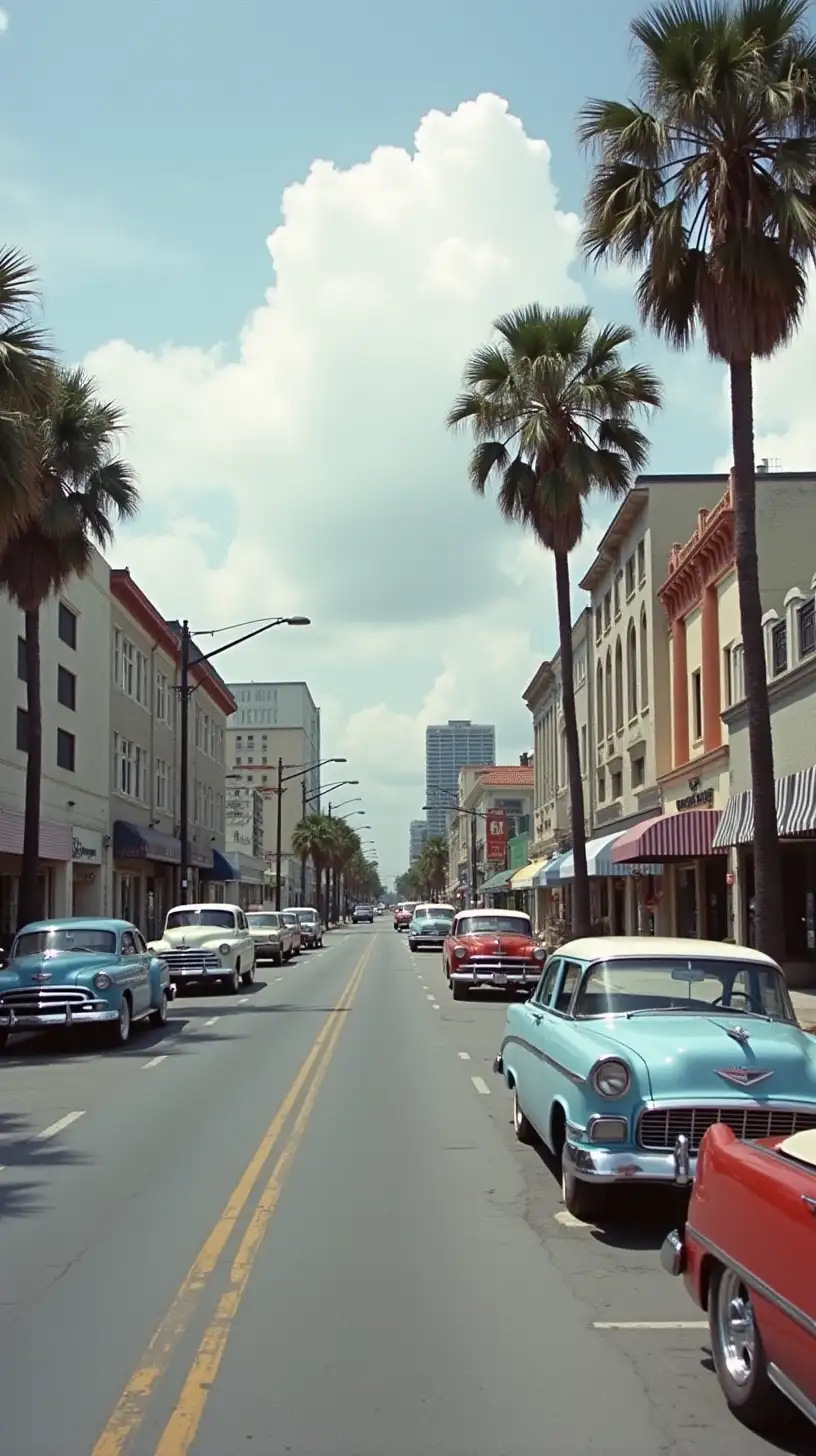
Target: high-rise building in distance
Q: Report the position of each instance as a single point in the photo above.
(449, 747)
(418, 838)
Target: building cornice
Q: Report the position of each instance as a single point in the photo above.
(717, 758)
(707, 556)
(133, 600)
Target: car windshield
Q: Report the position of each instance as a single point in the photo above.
(495, 925)
(648, 985)
(434, 917)
(307, 915)
(268, 921)
(179, 919)
(79, 938)
(289, 918)
(408, 908)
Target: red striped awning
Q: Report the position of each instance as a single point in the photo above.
(687, 835)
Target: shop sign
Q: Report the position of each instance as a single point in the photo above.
(496, 836)
(86, 846)
(702, 799)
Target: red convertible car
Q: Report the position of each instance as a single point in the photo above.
(492, 948)
(748, 1255)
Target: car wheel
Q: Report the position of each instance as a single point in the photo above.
(460, 990)
(120, 1029)
(412, 945)
(580, 1199)
(4, 1036)
(232, 983)
(521, 1126)
(159, 1016)
(277, 960)
(248, 976)
(739, 1354)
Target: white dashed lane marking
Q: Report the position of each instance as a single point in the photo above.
(650, 1324)
(154, 1062)
(568, 1220)
(212, 1021)
(481, 1086)
(57, 1127)
(464, 1056)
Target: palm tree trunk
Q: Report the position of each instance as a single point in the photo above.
(768, 892)
(328, 895)
(29, 907)
(580, 890)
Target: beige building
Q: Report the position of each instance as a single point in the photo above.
(145, 723)
(74, 826)
(493, 804)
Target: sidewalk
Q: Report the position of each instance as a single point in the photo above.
(804, 1004)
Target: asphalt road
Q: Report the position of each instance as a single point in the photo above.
(298, 1222)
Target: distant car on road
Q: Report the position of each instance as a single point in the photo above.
(362, 913)
(291, 921)
(205, 943)
(403, 913)
(311, 926)
(430, 926)
(273, 939)
(82, 972)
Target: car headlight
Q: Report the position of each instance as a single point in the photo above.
(223, 950)
(460, 953)
(611, 1078)
(102, 981)
(539, 954)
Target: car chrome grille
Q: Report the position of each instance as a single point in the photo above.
(45, 1000)
(190, 960)
(660, 1128)
(506, 963)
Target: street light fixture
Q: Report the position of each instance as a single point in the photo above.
(298, 771)
(308, 799)
(186, 692)
(358, 799)
(474, 815)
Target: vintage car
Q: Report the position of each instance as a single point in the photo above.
(206, 943)
(491, 948)
(747, 1256)
(292, 923)
(403, 913)
(627, 1043)
(272, 937)
(311, 926)
(429, 927)
(82, 972)
(362, 915)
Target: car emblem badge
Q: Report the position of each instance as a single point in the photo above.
(743, 1076)
(42, 976)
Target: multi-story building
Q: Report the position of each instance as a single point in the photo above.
(500, 794)
(74, 630)
(276, 722)
(448, 747)
(145, 722)
(417, 839)
(245, 841)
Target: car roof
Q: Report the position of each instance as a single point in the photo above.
(205, 905)
(434, 905)
(636, 947)
(490, 910)
(77, 922)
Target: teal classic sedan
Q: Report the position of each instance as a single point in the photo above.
(630, 1048)
(82, 972)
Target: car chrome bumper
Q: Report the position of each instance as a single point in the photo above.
(673, 1253)
(201, 973)
(74, 1016)
(497, 978)
(605, 1165)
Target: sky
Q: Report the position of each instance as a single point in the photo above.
(274, 232)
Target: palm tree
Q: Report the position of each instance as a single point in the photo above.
(434, 864)
(552, 410)
(83, 486)
(708, 186)
(312, 838)
(25, 384)
(346, 844)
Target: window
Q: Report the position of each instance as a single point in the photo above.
(128, 943)
(130, 668)
(546, 985)
(807, 629)
(22, 668)
(616, 784)
(130, 767)
(638, 772)
(696, 706)
(607, 611)
(67, 626)
(162, 780)
(66, 688)
(779, 648)
(644, 661)
(22, 730)
(727, 681)
(618, 686)
(601, 786)
(608, 695)
(641, 562)
(66, 750)
(219, 812)
(599, 703)
(618, 595)
(632, 670)
(163, 698)
(598, 624)
(572, 976)
(583, 749)
(630, 577)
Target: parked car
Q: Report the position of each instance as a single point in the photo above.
(290, 920)
(362, 914)
(491, 948)
(403, 914)
(82, 972)
(311, 926)
(206, 943)
(746, 1254)
(273, 939)
(286, 937)
(629, 1043)
(429, 927)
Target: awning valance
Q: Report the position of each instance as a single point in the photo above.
(136, 841)
(527, 878)
(795, 811)
(600, 862)
(500, 881)
(688, 834)
(222, 870)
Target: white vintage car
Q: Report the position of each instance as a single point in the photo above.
(203, 943)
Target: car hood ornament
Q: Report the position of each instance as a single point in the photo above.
(738, 1033)
(744, 1076)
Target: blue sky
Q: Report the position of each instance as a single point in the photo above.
(286, 339)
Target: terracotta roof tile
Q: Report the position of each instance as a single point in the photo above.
(512, 776)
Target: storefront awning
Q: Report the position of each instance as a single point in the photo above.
(600, 862)
(795, 811)
(527, 878)
(222, 870)
(552, 872)
(136, 841)
(688, 834)
(497, 882)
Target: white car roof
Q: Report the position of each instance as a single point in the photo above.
(205, 905)
(636, 947)
(430, 907)
(488, 910)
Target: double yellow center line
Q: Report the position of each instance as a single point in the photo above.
(131, 1408)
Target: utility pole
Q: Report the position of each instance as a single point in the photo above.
(473, 857)
(279, 832)
(303, 857)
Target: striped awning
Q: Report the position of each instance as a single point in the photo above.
(527, 877)
(688, 834)
(551, 873)
(600, 861)
(497, 882)
(795, 811)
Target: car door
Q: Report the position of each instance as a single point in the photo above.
(790, 1210)
(147, 958)
(134, 964)
(552, 1057)
(247, 943)
(531, 1017)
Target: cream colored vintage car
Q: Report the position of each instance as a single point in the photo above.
(203, 943)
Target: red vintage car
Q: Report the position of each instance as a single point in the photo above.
(748, 1256)
(403, 913)
(492, 948)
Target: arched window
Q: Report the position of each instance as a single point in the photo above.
(632, 669)
(644, 661)
(599, 702)
(608, 695)
(618, 686)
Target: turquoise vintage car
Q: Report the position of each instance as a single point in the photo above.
(82, 972)
(630, 1048)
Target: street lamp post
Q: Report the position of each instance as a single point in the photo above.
(307, 799)
(474, 815)
(185, 694)
(297, 773)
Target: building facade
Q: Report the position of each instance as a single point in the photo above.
(448, 748)
(417, 839)
(496, 806)
(244, 844)
(74, 823)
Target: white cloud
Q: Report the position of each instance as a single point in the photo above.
(316, 454)
(4, 21)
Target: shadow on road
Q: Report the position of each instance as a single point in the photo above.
(796, 1434)
(19, 1149)
(84, 1045)
(633, 1218)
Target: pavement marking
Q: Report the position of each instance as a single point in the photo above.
(650, 1324)
(430, 996)
(60, 1126)
(481, 1086)
(568, 1220)
(212, 1021)
(131, 1408)
(242, 1000)
(278, 978)
(181, 1430)
(154, 1062)
(464, 1056)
